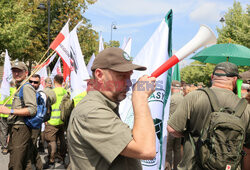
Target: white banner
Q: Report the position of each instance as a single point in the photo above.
(127, 45)
(90, 64)
(155, 52)
(79, 71)
(7, 77)
(57, 69)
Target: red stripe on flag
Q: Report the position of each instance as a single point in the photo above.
(59, 38)
(66, 70)
(164, 67)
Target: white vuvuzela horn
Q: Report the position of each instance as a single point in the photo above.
(205, 36)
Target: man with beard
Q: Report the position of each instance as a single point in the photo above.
(97, 137)
(188, 120)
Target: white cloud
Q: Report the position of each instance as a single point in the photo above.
(208, 12)
(139, 24)
(139, 7)
(132, 26)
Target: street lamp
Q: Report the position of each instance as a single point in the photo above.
(222, 20)
(113, 26)
(43, 7)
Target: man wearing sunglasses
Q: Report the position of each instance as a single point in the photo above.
(20, 133)
(34, 157)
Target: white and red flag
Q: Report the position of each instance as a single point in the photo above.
(43, 75)
(7, 77)
(79, 71)
(61, 46)
(57, 69)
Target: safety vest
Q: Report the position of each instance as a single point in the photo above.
(9, 104)
(79, 97)
(55, 114)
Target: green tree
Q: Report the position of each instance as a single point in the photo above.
(112, 44)
(24, 28)
(236, 28)
(197, 72)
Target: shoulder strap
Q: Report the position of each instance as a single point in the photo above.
(240, 108)
(21, 95)
(212, 98)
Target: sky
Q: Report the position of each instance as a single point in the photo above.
(139, 19)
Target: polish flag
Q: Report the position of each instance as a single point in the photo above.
(60, 37)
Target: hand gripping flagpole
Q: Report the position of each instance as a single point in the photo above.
(205, 36)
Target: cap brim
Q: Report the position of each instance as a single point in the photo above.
(127, 67)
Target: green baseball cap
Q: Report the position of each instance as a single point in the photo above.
(230, 69)
(20, 65)
(115, 59)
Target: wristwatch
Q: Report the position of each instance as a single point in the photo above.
(11, 111)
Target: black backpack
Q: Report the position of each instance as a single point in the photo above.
(220, 145)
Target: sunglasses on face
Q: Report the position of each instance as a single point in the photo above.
(35, 82)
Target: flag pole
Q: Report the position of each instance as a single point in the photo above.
(37, 69)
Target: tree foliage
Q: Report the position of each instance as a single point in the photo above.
(197, 72)
(24, 28)
(235, 30)
(236, 27)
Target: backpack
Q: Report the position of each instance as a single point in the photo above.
(34, 122)
(220, 145)
(66, 107)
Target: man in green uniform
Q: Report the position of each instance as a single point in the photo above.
(173, 155)
(54, 128)
(97, 138)
(3, 121)
(189, 116)
(20, 134)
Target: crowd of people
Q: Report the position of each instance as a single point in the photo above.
(95, 137)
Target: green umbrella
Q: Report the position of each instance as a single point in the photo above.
(234, 53)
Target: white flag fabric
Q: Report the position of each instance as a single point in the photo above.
(79, 71)
(127, 45)
(155, 52)
(90, 64)
(101, 46)
(57, 69)
(43, 75)
(7, 77)
(51, 59)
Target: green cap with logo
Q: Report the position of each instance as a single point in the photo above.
(20, 65)
(115, 59)
(230, 69)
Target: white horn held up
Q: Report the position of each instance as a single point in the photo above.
(204, 36)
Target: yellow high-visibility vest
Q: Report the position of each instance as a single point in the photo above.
(55, 114)
(79, 97)
(9, 104)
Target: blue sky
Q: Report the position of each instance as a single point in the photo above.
(138, 19)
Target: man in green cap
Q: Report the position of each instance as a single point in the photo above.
(189, 118)
(97, 137)
(20, 133)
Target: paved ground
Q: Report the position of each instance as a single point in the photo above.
(4, 160)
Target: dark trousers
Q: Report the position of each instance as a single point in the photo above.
(3, 132)
(52, 133)
(20, 138)
(33, 155)
(173, 156)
